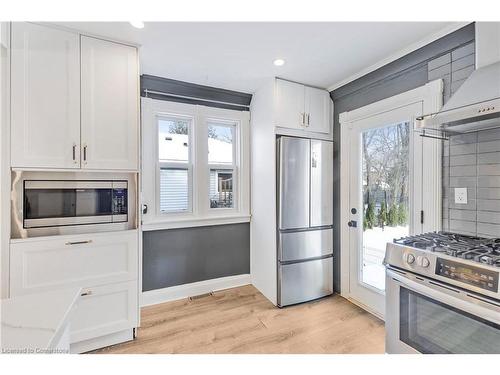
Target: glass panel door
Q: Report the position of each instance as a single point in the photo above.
(430, 326)
(385, 195)
(381, 197)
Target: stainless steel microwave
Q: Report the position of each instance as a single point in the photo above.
(57, 203)
(70, 206)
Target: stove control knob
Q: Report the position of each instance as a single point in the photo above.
(410, 258)
(423, 261)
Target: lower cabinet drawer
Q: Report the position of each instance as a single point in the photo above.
(304, 281)
(78, 260)
(105, 309)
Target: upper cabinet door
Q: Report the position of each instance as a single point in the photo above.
(110, 123)
(45, 97)
(317, 110)
(289, 104)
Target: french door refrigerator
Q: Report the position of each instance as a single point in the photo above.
(305, 218)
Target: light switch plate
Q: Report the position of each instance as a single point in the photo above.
(461, 195)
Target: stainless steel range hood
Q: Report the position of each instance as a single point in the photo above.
(476, 104)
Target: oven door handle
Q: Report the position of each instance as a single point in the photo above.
(461, 301)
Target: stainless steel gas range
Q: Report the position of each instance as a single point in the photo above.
(442, 294)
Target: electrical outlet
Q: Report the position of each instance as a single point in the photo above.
(461, 195)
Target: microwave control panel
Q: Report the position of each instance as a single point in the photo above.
(120, 201)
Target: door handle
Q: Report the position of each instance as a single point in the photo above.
(144, 209)
(85, 153)
(352, 223)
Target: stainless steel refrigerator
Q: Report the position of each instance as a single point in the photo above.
(305, 218)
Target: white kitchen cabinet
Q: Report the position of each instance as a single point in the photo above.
(110, 85)
(48, 263)
(302, 107)
(45, 97)
(290, 98)
(317, 109)
(104, 310)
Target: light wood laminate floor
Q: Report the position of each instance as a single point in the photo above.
(242, 320)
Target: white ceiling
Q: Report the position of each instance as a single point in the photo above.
(239, 56)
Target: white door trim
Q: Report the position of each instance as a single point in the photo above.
(431, 97)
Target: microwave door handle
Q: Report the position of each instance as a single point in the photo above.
(460, 301)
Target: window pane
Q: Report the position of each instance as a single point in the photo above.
(220, 143)
(221, 188)
(173, 140)
(174, 191)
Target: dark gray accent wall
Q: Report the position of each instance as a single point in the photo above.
(406, 73)
(194, 94)
(180, 256)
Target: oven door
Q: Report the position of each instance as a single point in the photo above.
(425, 316)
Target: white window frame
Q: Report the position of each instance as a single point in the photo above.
(200, 213)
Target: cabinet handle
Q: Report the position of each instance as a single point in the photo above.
(303, 119)
(308, 118)
(87, 293)
(78, 242)
(85, 153)
(74, 152)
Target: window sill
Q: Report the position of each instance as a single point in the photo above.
(190, 222)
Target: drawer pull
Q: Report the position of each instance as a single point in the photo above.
(78, 242)
(87, 293)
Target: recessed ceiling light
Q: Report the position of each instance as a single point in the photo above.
(137, 24)
(279, 62)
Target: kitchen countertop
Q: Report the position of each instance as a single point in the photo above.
(35, 323)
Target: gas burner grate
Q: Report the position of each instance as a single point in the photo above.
(477, 249)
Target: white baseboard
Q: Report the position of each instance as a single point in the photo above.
(153, 297)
